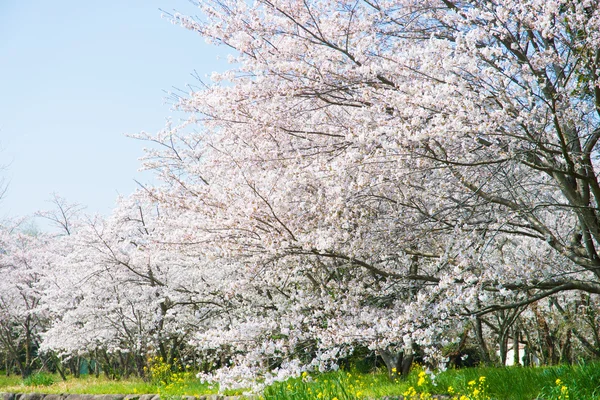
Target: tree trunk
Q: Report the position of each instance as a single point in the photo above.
(58, 366)
(503, 344)
(483, 349)
(96, 365)
(516, 354)
(566, 349)
(398, 364)
(140, 366)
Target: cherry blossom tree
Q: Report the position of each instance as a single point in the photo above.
(120, 295)
(404, 162)
(22, 263)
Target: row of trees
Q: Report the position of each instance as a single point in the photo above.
(397, 175)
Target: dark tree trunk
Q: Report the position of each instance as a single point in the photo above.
(503, 345)
(58, 365)
(483, 349)
(516, 353)
(566, 356)
(140, 364)
(398, 364)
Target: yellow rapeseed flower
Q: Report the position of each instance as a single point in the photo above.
(422, 378)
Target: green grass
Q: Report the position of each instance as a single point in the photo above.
(39, 379)
(514, 383)
(6, 381)
(101, 385)
(341, 385)
(518, 383)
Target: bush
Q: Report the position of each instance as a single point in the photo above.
(168, 378)
(39, 379)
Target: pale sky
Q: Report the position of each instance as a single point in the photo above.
(75, 76)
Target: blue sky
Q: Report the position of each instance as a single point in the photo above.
(75, 76)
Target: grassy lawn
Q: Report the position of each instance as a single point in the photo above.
(101, 385)
(9, 381)
(515, 383)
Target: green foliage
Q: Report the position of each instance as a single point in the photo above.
(506, 383)
(39, 379)
(330, 386)
(173, 380)
(581, 381)
(516, 383)
(559, 391)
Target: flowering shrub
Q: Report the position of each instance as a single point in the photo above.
(169, 378)
(424, 386)
(338, 386)
(559, 391)
(477, 390)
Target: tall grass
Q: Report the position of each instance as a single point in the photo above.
(582, 381)
(519, 383)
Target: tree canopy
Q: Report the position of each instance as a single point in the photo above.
(385, 174)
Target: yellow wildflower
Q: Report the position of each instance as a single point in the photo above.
(421, 380)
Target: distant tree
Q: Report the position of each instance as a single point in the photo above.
(120, 295)
(22, 264)
(63, 215)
